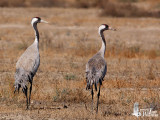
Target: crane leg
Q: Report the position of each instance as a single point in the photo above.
(98, 95)
(92, 96)
(30, 93)
(25, 90)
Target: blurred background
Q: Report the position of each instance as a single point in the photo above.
(116, 8)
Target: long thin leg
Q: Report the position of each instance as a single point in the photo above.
(25, 92)
(98, 95)
(92, 96)
(30, 93)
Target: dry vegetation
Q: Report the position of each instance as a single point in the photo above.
(66, 44)
(127, 9)
(115, 8)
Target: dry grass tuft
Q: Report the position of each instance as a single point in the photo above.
(117, 9)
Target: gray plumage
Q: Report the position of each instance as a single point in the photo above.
(96, 67)
(28, 63)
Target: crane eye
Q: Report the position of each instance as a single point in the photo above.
(107, 26)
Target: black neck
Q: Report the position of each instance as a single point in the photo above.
(36, 31)
(103, 47)
(102, 36)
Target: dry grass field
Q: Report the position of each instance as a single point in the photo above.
(66, 44)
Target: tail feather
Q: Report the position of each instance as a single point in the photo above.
(17, 87)
(91, 79)
(88, 86)
(22, 78)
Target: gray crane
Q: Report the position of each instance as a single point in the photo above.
(96, 67)
(28, 63)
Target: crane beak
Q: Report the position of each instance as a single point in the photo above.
(110, 28)
(44, 21)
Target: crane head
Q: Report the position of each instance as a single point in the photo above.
(37, 20)
(104, 27)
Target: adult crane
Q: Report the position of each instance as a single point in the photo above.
(28, 63)
(96, 67)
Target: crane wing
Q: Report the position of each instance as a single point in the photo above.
(29, 60)
(96, 69)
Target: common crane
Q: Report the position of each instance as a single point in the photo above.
(27, 65)
(96, 67)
